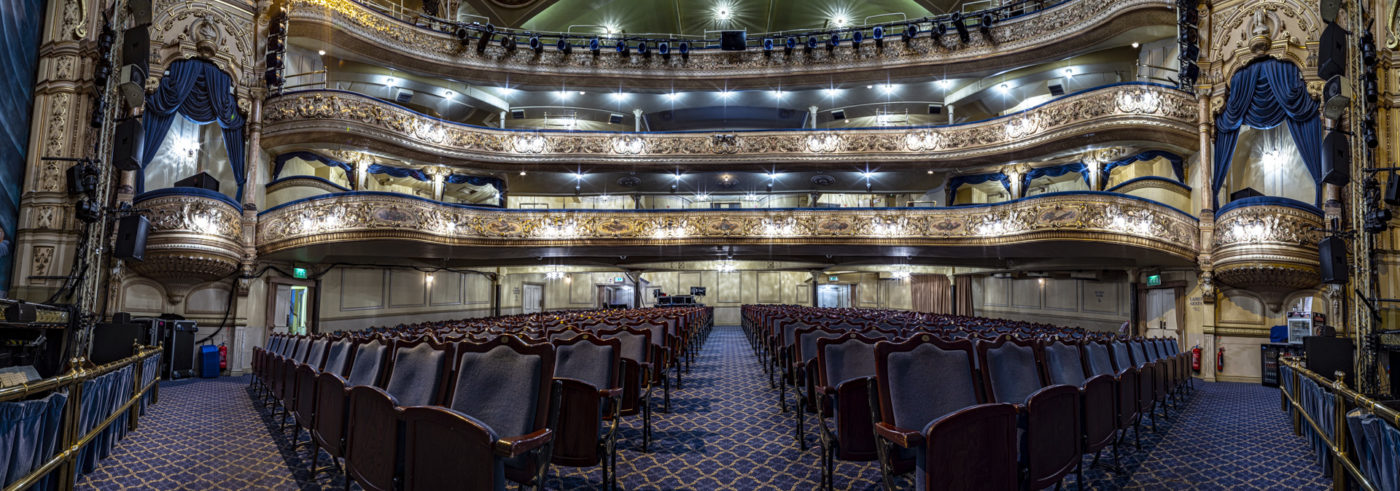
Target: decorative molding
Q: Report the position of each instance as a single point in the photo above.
(1138, 111)
(1245, 31)
(1070, 26)
(43, 259)
(1267, 249)
(1099, 217)
(213, 31)
(193, 239)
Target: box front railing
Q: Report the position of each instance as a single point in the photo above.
(1319, 406)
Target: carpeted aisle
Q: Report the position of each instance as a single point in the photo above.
(724, 432)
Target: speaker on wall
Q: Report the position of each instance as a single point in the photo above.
(1332, 253)
(1326, 356)
(1392, 189)
(733, 41)
(128, 146)
(1332, 52)
(131, 237)
(1336, 159)
(141, 12)
(136, 47)
(201, 180)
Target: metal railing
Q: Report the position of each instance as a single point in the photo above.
(1345, 399)
(70, 444)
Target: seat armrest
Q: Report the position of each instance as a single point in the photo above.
(607, 393)
(899, 436)
(519, 445)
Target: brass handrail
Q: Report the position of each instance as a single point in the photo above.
(1343, 399)
(73, 380)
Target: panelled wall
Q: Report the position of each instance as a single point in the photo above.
(357, 298)
(1094, 305)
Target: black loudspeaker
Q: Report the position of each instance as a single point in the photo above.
(1327, 356)
(131, 237)
(201, 180)
(128, 147)
(1392, 189)
(179, 350)
(1328, 10)
(136, 47)
(20, 312)
(1336, 159)
(1332, 253)
(733, 41)
(116, 340)
(1244, 193)
(1332, 52)
(140, 12)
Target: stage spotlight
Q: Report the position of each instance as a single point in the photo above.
(961, 27)
(536, 44)
(767, 46)
(594, 46)
(622, 48)
(563, 46)
(939, 30)
(986, 25)
(664, 48)
(833, 40)
(685, 50)
(643, 48)
(789, 44)
(856, 38)
(464, 35)
(811, 43)
(910, 31)
(508, 42)
(485, 40)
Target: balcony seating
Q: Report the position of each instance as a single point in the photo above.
(587, 371)
(1048, 414)
(844, 366)
(962, 443)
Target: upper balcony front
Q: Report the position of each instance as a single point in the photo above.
(1120, 112)
(1016, 34)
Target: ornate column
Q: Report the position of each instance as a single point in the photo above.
(637, 119)
(438, 174)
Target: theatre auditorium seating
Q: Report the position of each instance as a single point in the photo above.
(472, 404)
(963, 402)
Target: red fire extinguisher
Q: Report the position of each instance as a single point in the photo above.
(223, 357)
(1220, 360)
(1196, 358)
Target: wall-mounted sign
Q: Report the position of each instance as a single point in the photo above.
(299, 273)
(618, 279)
(833, 278)
(1154, 280)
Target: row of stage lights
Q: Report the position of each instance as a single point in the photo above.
(956, 22)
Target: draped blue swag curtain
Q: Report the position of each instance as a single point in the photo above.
(958, 181)
(499, 184)
(1262, 95)
(1055, 171)
(199, 91)
(1178, 165)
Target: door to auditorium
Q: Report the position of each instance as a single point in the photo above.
(531, 298)
(834, 296)
(610, 295)
(291, 306)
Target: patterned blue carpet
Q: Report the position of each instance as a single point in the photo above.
(724, 432)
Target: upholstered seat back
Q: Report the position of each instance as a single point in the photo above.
(1139, 355)
(336, 356)
(499, 387)
(368, 359)
(564, 335)
(586, 362)
(303, 345)
(658, 332)
(1121, 358)
(1100, 363)
(318, 351)
(634, 345)
(807, 342)
(848, 359)
(416, 375)
(1011, 372)
(927, 383)
(1063, 363)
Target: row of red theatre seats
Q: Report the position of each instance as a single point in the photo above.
(415, 411)
(969, 412)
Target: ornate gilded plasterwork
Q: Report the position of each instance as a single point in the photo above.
(192, 239)
(213, 31)
(1247, 30)
(394, 41)
(1063, 217)
(1268, 249)
(1155, 112)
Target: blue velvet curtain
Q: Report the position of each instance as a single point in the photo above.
(1178, 165)
(398, 172)
(1377, 448)
(1264, 94)
(29, 433)
(1055, 171)
(958, 181)
(203, 94)
(101, 397)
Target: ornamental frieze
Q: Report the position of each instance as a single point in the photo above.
(191, 239)
(1099, 217)
(299, 118)
(1268, 249)
(1045, 35)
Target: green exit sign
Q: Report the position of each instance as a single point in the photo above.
(1154, 280)
(617, 279)
(833, 278)
(299, 273)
